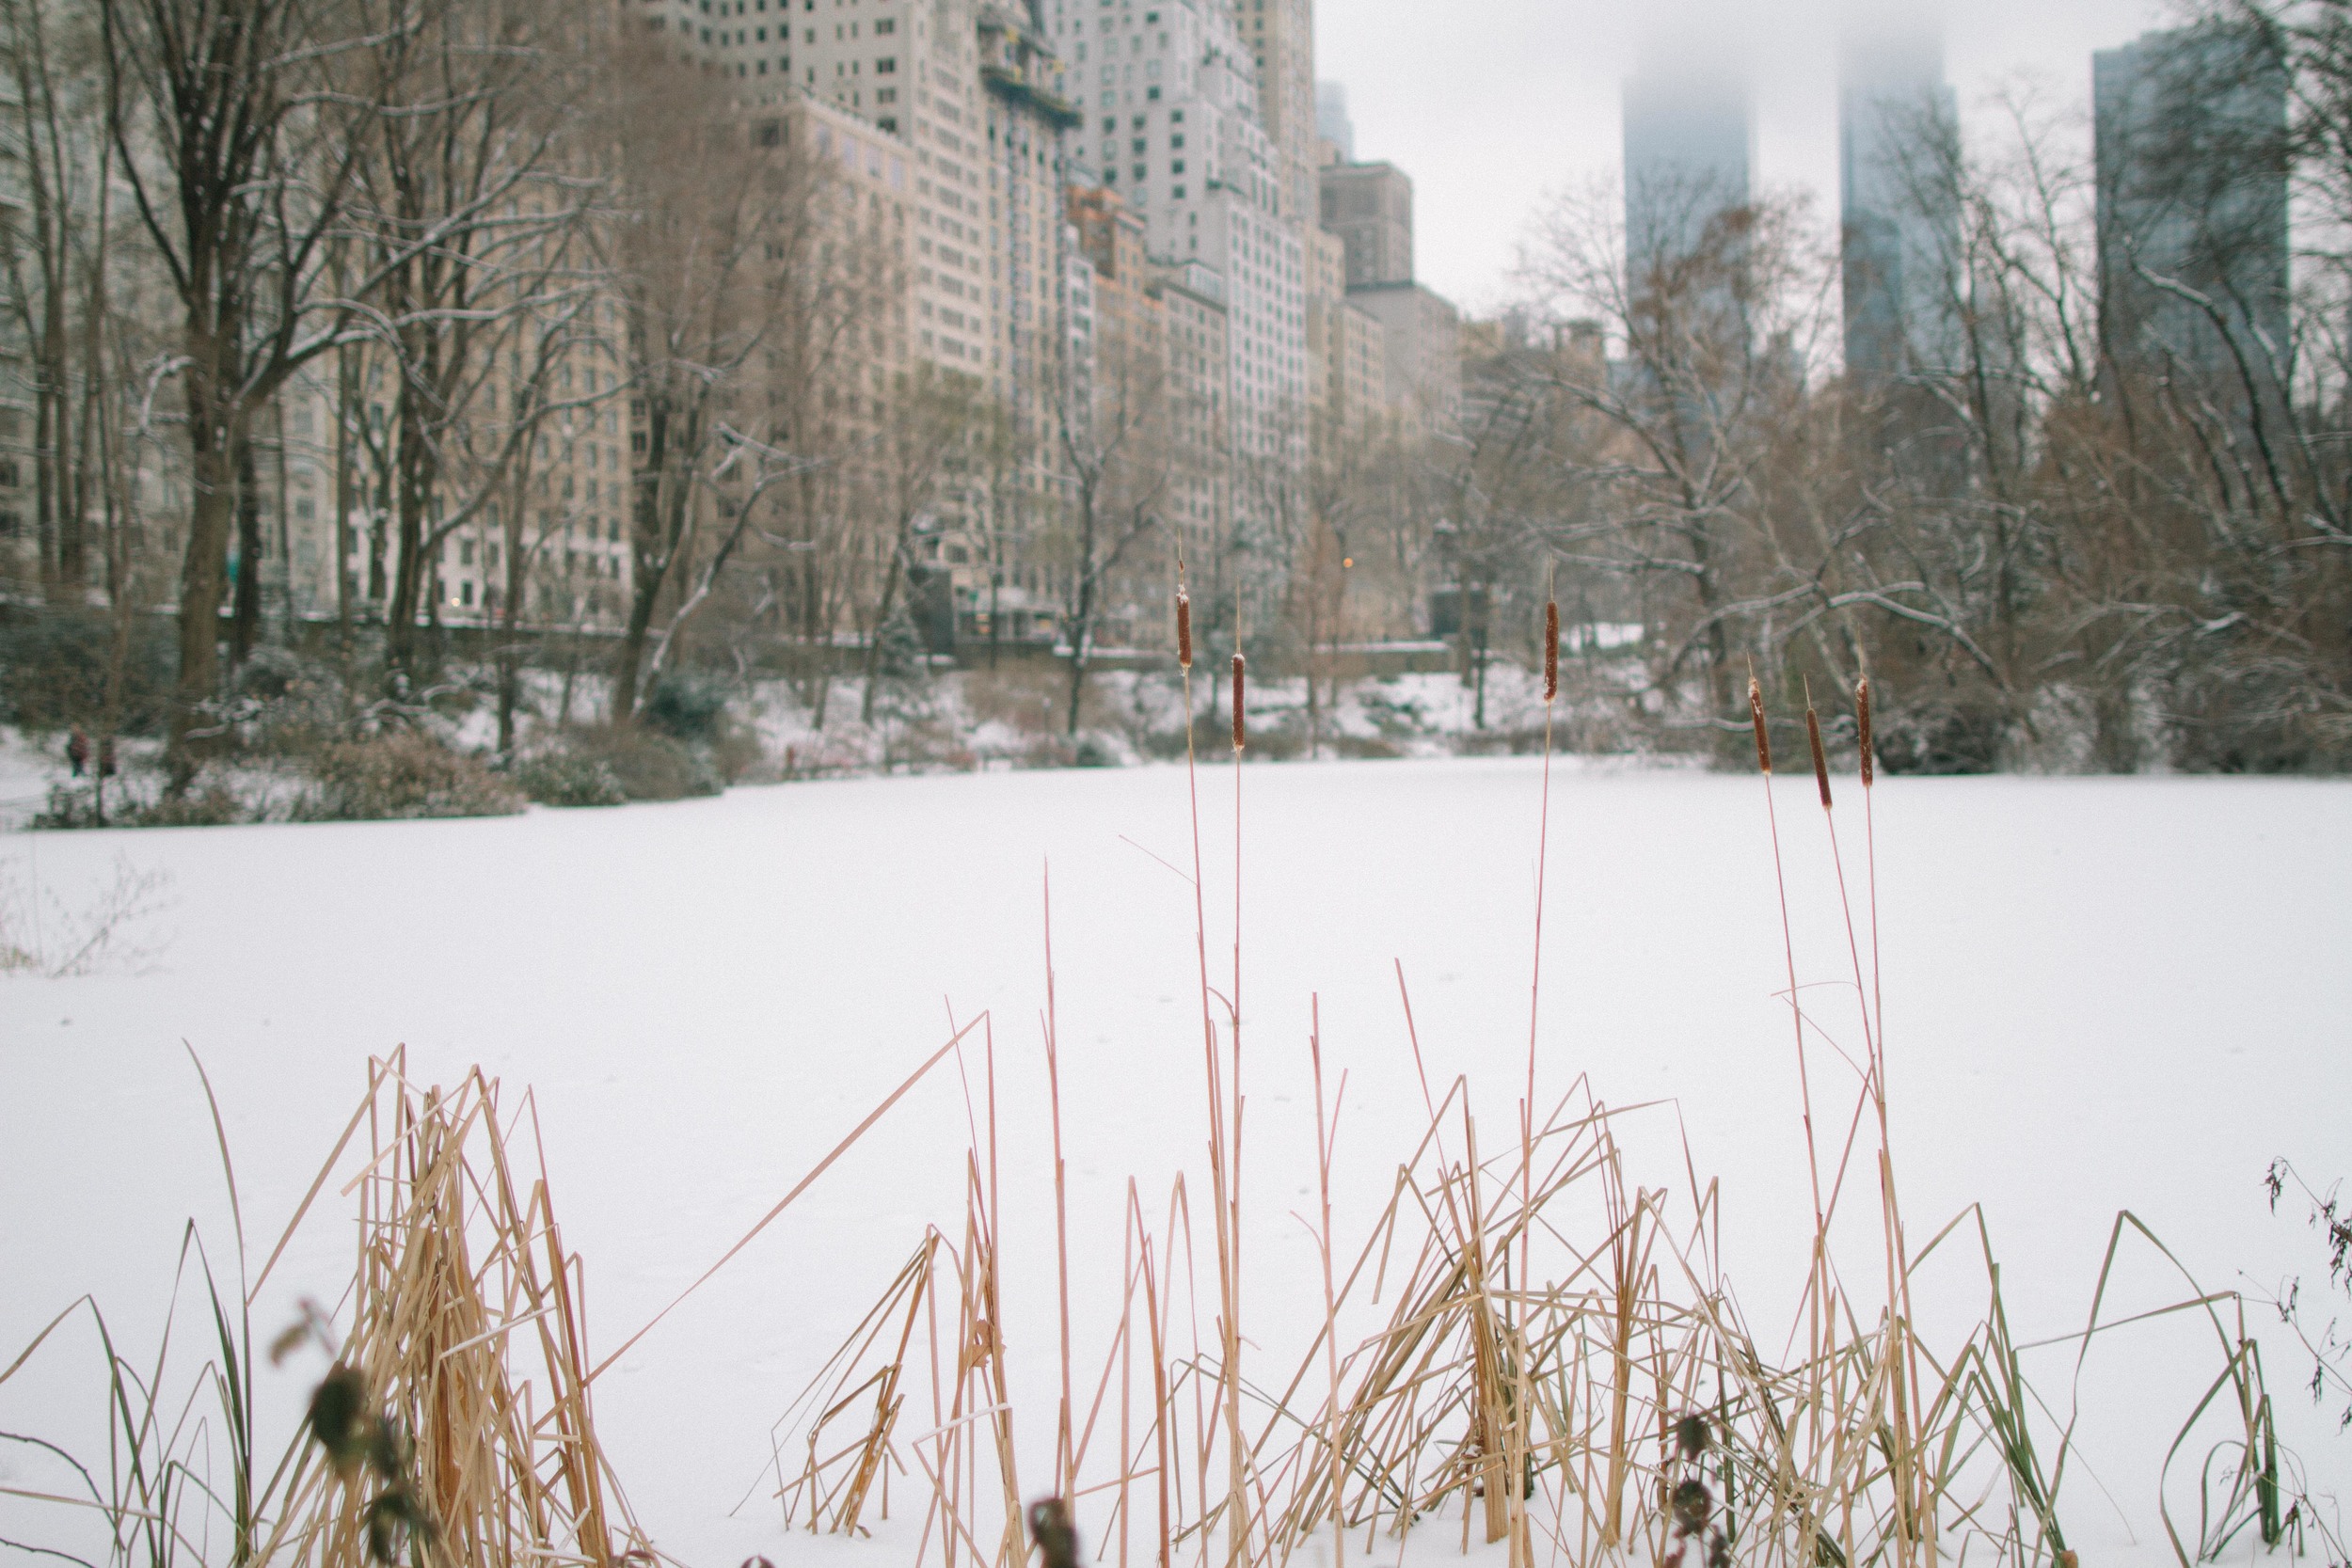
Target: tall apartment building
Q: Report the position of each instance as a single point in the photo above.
(1173, 125)
(1689, 135)
(910, 69)
(1161, 360)
(1896, 119)
(2189, 129)
(1281, 34)
(1349, 351)
(1370, 207)
(1420, 341)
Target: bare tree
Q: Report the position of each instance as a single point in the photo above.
(1116, 422)
(772, 249)
(472, 207)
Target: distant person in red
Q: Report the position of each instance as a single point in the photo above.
(77, 751)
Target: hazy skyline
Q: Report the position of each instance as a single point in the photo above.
(1498, 103)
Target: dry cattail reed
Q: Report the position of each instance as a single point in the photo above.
(1862, 720)
(1755, 714)
(1820, 759)
(1551, 649)
(1184, 630)
(1241, 737)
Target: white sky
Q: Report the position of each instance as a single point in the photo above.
(1490, 104)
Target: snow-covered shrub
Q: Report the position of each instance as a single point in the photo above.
(289, 705)
(402, 774)
(561, 778)
(648, 763)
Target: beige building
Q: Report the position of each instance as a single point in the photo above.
(1282, 34)
(1421, 354)
(1348, 351)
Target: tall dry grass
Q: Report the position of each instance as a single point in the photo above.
(1527, 1347)
(462, 1343)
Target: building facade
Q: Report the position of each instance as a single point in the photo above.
(1370, 207)
(2190, 129)
(1897, 126)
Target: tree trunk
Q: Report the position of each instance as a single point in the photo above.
(346, 408)
(211, 503)
(881, 618)
(245, 618)
(643, 592)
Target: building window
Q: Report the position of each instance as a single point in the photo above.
(885, 26)
(884, 66)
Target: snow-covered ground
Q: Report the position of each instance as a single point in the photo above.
(2100, 994)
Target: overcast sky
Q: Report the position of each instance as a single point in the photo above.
(1491, 105)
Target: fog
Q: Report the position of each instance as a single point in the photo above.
(1490, 104)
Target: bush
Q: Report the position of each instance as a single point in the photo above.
(1940, 737)
(289, 705)
(565, 779)
(75, 806)
(53, 664)
(648, 763)
(214, 806)
(403, 775)
(688, 706)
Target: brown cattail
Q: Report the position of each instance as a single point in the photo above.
(1551, 649)
(1756, 712)
(1820, 759)
(1240, 737)
(1862, 720)
(1184, 630)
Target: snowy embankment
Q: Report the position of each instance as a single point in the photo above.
(2099, 994)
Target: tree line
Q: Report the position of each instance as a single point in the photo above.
(2094, 515)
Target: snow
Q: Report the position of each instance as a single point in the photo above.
(2100, 994)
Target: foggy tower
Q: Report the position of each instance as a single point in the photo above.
(1897, 126)
(2190, 128)
(1331, 121)
(1689, 135)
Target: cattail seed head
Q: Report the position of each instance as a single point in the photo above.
(1756, 713)
(1551, 649)
(1184, 630)
(1241, 737)
(1693, 1504)
(1055, 1532)
(1820, 759)
(1862, 719)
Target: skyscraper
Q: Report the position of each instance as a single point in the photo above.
(1281, 36)
(1173, 124)
(1897, 126)
(1687, 141)
(2190, 128)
